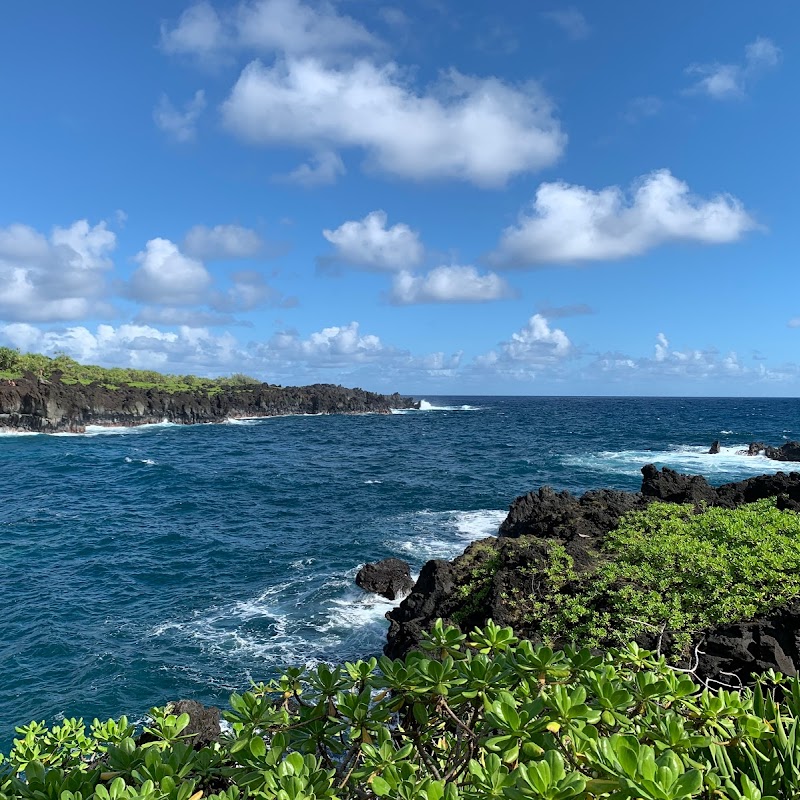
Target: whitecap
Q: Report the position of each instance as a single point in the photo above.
(731, 461)
(444, 534)
(424, 405)
(370, 482)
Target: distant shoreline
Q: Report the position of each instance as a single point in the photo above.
(36, 405)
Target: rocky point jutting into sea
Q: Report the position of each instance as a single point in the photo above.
(447, 589)
(52, 406)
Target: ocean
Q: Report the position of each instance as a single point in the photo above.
(149, 564)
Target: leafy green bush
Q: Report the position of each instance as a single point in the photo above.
(475, 717)
(670, 568)
(14, 365)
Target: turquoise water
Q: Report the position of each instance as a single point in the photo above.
(160, 562)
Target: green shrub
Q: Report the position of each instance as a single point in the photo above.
(672, 568)
(475, 717)
(14, 365)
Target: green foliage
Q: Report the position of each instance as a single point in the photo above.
(14, 365)
(489, 717)
(672, 568)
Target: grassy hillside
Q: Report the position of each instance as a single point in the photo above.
(14, 365)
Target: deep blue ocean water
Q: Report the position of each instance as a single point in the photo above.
(149, 564)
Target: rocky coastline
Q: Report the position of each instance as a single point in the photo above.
(727, 652)
(52, 406)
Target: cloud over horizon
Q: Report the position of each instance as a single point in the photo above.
(571, 224)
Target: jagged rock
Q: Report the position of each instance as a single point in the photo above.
(561, 515)
(789, 451)
(415, 614)
(50, 407)
(730, 653)
(390, 578)
(203, 728)
(673, 487)
(714, 449)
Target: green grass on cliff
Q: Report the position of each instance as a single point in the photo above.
(669, 567)
(14, 365)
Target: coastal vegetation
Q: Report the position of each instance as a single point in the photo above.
(668, 571)
(474, 716)
(14, 365)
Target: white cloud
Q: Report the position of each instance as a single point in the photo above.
(322, 169)
(138, 346)
(571, 21)
(569, 223)
(168, 277)
(60, 278)
(199, 32)
(264, 26)
(731, 81)
(248, 291)
(181, 125)
(448, 284)
(479, 130)
(794, 322)
(662, 347)
(222, 242)
(336, 345)
(369, 243)
(536, 348)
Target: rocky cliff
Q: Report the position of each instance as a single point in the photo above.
(501, 566)
(50, 406)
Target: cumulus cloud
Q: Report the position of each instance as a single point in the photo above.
(166, 276)
(222, 242)
(571, 21)
(181, 125)
(732, 81)
(479, 130)
(57, 278)
(138, 346)
(249, 290)
(448, 284)
(322, 169)
(336, 345)
(264, 26)
(570, 223)
(371, 244)
(535, 348)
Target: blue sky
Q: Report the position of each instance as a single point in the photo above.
(435, 197)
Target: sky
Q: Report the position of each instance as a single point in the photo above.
(432, 197)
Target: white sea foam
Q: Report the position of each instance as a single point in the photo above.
(444, 534)
(11, 433)
(370, 482)
(424, 405)
(695, 460)
(726, 432)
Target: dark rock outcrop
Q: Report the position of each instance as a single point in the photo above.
(52, 406)
(203, 728)
(496, 569)
(390, 578)
(729, 654)
(789, 451)
(714, 449)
